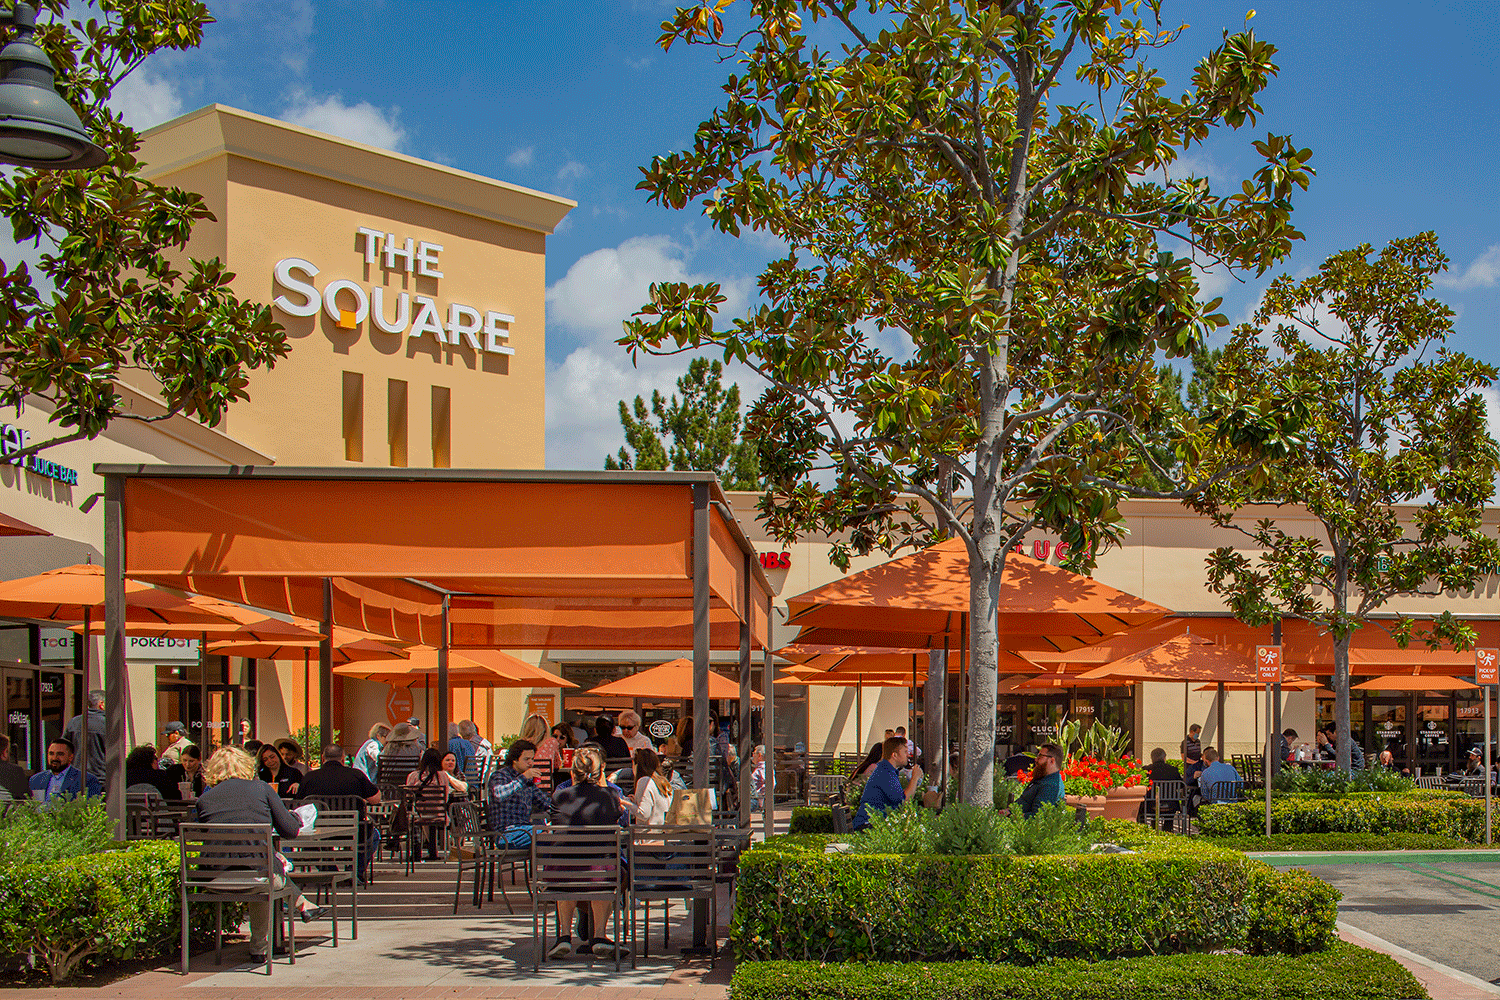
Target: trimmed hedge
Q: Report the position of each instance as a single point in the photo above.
(1436, 813)
(811, 819)
(1343, 972)
(1343, 842)
(796, 902)
(115, 904)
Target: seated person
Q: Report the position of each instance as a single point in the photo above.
(1217, 771)
(515, 794)
(189, 768)
(586, 802)
(276, 772)
(1045, 786)
(653, 791)
(1018, 762)
(334, 777)
(436, 770)
(883, 789)
(235, 796)
(61, 777)
(142, 775)
(1160, 770)
(862, 772)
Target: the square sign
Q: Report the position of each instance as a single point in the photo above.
(1268, 664)
(1487, 666)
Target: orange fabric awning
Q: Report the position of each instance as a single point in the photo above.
(1183, 658)
(1416, 682)
(926, 595)
(673, 679)
(849, 680)
(12, 526)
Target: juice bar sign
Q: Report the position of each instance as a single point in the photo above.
(349, 304)
(13, 439)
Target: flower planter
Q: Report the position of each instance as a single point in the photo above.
(1124, 803)
(1093, 803)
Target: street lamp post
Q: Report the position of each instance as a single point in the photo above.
(37, 127)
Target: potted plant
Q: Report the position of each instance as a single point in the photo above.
(1100, 773)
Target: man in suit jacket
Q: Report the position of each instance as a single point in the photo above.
(61, 777)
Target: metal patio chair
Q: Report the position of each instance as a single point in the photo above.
(228, 863)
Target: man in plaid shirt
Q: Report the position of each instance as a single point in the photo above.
(514, 794)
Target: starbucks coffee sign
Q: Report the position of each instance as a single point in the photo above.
(351, 305)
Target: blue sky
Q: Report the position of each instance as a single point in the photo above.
(1398, 105)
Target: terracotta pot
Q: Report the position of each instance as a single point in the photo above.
(1093, 803)
(1124, 803)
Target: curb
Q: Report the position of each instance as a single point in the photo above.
(1412, 958)
(1303, 858)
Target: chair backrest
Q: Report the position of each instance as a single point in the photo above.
(342, 803)
(823, 785)
(1474, 787)
(1168, 791)
(544, 768)
(335, 845)
(672, 862)
(841, 819)
(576, 862)
(1427, 781)
(208, 849)
(429, 803)
(393, 770)
(1225, 791)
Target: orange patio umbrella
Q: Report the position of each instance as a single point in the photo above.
(349, 646)
(12, 526)
(518, 668)
(673, 679)
(1416, 682)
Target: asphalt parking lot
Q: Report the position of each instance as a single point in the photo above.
(1445, 910)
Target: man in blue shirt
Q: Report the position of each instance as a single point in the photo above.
(1045, 786)
(514, 794)
(883, 788)
(61, 777)
(1215, 772)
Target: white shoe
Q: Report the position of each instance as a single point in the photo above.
(562, 949)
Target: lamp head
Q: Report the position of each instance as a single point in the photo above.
(37, 127)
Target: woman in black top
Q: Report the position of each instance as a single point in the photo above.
(278, 773)
(141, 773)
(189, 767)
(586, 802)
(235, 796)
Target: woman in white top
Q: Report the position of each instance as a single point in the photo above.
(652, 793)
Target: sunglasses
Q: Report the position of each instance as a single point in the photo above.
(627, 729)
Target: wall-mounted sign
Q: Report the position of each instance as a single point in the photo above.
(349, 304)
(661, 729)
(13, 439)
(1268, 664)
(398, 705)
(57, 647)
(1487, 666)
(544, 705)
(775, 560)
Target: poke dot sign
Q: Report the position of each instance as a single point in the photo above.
(398, 705)
(1268, 664)
(1487, 666)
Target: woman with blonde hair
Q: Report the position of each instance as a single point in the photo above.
(235, 796)
(586, 802)
(535, 731)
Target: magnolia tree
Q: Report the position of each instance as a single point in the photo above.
(1393, 419)
(111, 292)
(989, 252)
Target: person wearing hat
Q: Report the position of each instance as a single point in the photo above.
(403, 751)
(177, 741)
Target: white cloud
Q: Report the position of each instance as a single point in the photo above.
(362, 122)
(1492, 409)
(295, 30)
(599, 292)
(521, 157)
(639, 64)
(1482, 273)
(572, 171)
(145, 99)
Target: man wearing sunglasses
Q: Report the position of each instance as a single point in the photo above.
(1046, 785)
(630, 732)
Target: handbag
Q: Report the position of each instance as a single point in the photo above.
(691, 807)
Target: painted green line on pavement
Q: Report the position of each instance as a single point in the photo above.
(1453, 882)
(1468, 878)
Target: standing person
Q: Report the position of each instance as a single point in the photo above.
(334, 778)
(367, 758)
(482, 748)
(403, 750)
(176, 738)
(515, 794)
(234, 796)
(97, 723)
(277, 773)
(653, 793)
(14, 780)
(1045, 786)
(460, 747)
(883, 790)
(757, 778)
(245, 735)
(630, 731)
(586, 803)
(189, 768)
(912, 750)
(1192, 746)
(61, 777)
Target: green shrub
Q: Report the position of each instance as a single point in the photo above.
(796, 902)
(962, 828)
(66, 828)
(811, 819)
(1441, 814)
(1343, 972)
(116, 904)
(1052, 829)
(907, 829)
(1291, 912)
(1342, 842)
(1316, 779)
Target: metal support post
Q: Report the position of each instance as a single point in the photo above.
(701, 738)
(116, 680)
(442, 679)
(746, 746)
(325, 672)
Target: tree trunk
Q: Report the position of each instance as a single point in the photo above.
(1341, 700)
(984, 665)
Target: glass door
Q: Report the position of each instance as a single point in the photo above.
(1005, 726)
(21, 719)
(1043, 719)
(1434, 732)
(1386, 729)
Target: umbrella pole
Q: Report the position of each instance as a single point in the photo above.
(1223, 743)
(427, 703)
(859, 711)
(307, 692)
(83, 724)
